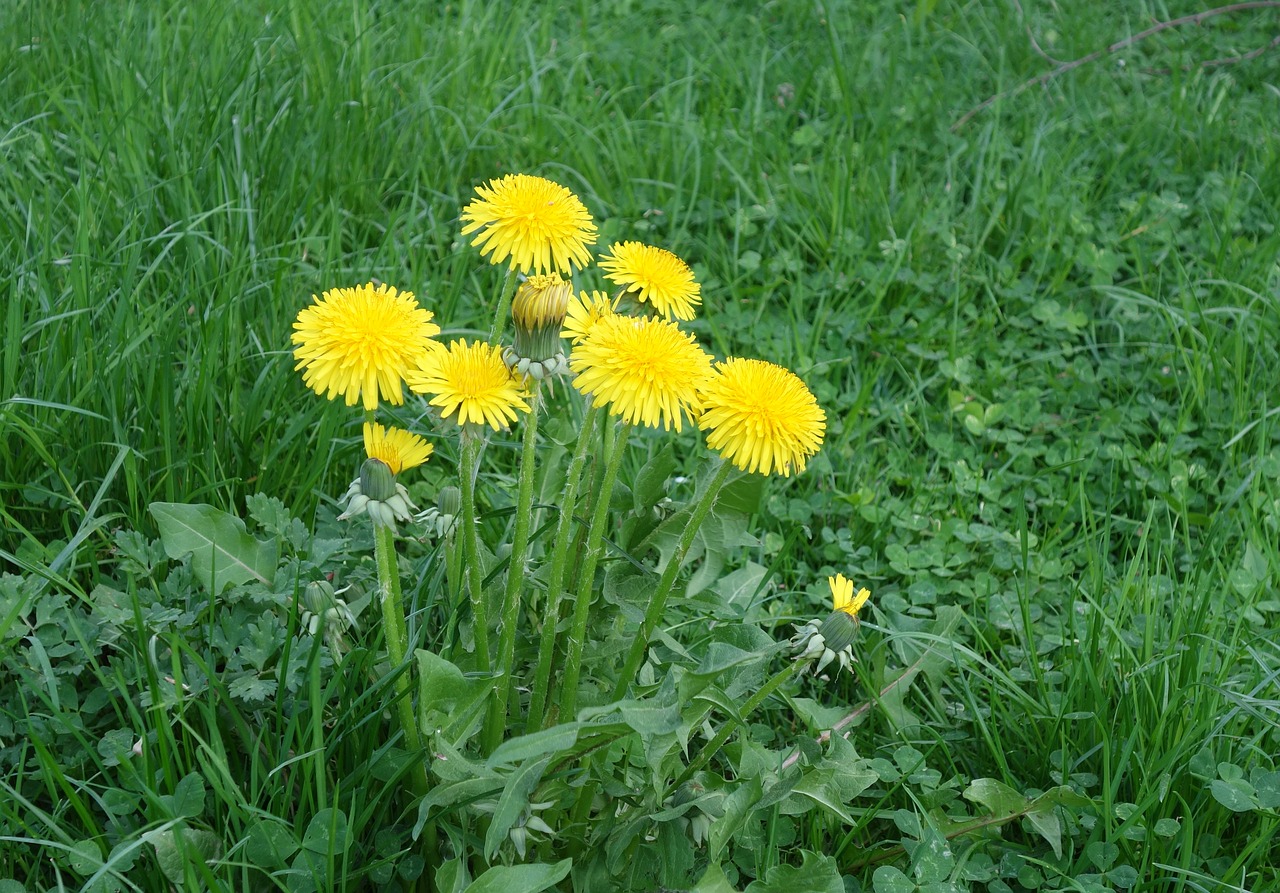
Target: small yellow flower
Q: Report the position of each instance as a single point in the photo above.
(842, 597)
(660, 278)
(472, 381)
(584, 312)
(646, 370)
(538, 224)
(761, 417)
(398, 448)
(359, 342)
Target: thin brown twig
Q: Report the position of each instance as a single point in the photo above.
(823, 738)
(1116, 47)
(1218, 63)
(1035, 44)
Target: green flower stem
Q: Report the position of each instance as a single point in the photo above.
(397, 637)
(713, 746)
(470, 446)
(504, 307)
(555, 582)
(658, 600)
(497, 720)
(586, 582)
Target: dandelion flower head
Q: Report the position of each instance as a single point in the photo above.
(537, 224)
(472, 381)
(359, 342)
(399, 449)
(584, 312)
(657, 276)
(842, 597)
(761, 417)
(647, 370)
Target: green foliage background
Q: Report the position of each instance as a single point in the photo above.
(1046, 343)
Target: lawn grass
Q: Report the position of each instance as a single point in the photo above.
(1046, 344)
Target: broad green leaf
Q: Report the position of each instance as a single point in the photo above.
(452, 876)
(270, 844)
(1045, 820)
(187, 800)
(450, 793)
(932, 861)
(650, 719)
(649, 487)
(176, 844)
(520, 878)
(84, 857)
(1102, 854)
(326, 833)
(888, 879)
(997, 797)
(713, 879)
(1267, 787)
(446, 698)
(739, 587)
(514, 801)
(1123, 876)
(536, 744)
(815, 874)
(823, 787)
(738, 807)
(222, 551)
(1236, 795)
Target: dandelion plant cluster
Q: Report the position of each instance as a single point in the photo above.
(632, 365)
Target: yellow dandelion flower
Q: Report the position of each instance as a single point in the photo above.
(359, 342)
(842, 597)
(646, 370)
(398, 448)
(472, 381)
(761, 417)
(660, 278)
(538, 224)
(584, 312)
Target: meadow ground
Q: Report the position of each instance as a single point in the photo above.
(1046, 336)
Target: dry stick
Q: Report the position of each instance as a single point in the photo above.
(909, 672)
(1218, 63)
(1035, 44)
(1116, 47)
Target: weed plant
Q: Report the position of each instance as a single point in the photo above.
(1046, 345)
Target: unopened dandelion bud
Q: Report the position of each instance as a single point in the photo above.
(319, 597)
(376, 480)
(449, 500)
(839, 630)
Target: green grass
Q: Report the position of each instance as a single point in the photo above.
(1046, 344)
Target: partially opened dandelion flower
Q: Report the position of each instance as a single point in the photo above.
(761, 417)
(399, 449)
(584, 312)
(539, 225)
(376, 491)
(538, 311)
(820, 644)
(655, 276)
(647, 370)
(471, 383)
(359, 342)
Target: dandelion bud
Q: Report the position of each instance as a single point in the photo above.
(376, 480)
(449, 501)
